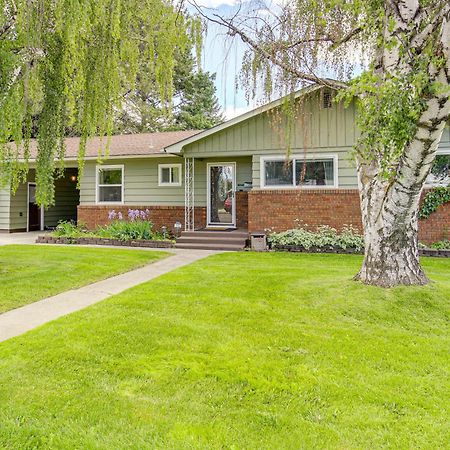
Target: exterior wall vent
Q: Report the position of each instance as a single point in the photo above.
(327, 99)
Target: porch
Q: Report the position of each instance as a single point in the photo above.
(26, 215)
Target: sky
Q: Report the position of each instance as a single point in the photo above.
(222, 56)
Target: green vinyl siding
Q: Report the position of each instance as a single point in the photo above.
(67, 198)
(18, 208)
(445, 141)
(65, 207)
(140, 182)
(4, 209)
(316, 131)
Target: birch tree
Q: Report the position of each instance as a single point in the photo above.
(70, 62)
(402, 95)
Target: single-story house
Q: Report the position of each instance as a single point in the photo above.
(234, 175)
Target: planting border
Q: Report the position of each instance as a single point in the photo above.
(104, 241)
(350, 251)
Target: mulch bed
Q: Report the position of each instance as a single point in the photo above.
(104, 241)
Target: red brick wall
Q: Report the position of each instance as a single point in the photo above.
(242, 209)
(437, 226)
(95, 215)
(282, 209)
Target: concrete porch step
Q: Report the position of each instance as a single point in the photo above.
(215, 246)
(232, 240)
(211, 240)
(217, 234)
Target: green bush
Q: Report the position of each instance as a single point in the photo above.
(323, 237)
(69, 229)
(125, 231)
(441, 245)
(117, 229)
(433, 200)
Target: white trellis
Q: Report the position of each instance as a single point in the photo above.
(189, 194)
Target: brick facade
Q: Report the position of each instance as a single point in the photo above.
(242, 209)
(282, 209)
(95, 215)
(437, 226)
(277, 210)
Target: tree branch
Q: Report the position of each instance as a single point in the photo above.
(233, 30)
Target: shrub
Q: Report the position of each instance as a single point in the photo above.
(323, 237)
(433, 200)
(68, 229)
(138, 226)
(441, 245)
(124, 230)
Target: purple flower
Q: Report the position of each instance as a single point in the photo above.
(133, 214)
(112, 215)
(119, 216)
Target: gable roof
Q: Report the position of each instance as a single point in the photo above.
(123, 145)
(177, 147)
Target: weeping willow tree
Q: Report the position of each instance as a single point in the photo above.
(400, 50)
(70, 62)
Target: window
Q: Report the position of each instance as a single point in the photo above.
(440, 170)
(299, 171)
(318, 172)
(170, 175)
(278, 173)
(109, 184)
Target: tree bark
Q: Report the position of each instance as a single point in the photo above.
(390, 206)
(391, 254)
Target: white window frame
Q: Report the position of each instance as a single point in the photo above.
(299, 157)
(441, 151)
(98, 167)
(169, 166)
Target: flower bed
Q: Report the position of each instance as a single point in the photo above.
(327, 240)
(323, 239)
(135, 231)
(105, 241)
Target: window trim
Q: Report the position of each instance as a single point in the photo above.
(98, 185)
(300, 157)
(440, 151)
(170, 166)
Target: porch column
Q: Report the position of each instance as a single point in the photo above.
(189, 200)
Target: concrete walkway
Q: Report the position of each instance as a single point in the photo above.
(18, 321)
(19, 238)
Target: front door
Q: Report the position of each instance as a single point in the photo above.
(34, 217)
(221, 198)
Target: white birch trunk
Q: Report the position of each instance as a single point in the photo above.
(390, 207)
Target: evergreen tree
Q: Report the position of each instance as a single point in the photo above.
(194, 105)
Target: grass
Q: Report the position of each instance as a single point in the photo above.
(254, 351)
(31, 272)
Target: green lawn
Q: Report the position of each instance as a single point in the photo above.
(238, 351)
(32, 272)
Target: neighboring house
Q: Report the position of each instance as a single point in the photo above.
(236, 174)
